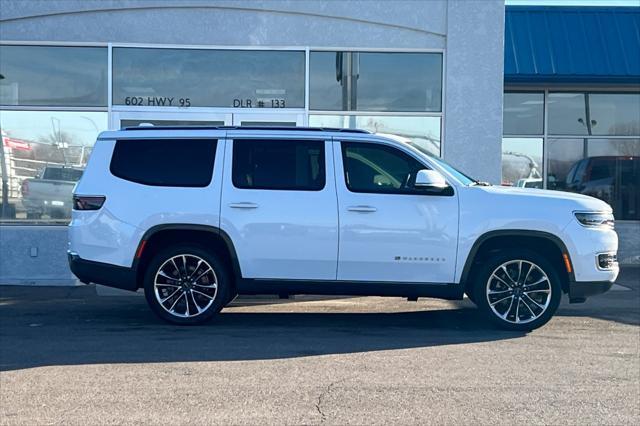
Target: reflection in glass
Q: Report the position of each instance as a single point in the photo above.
(53, 76)
(214, 78)
(44, 155)
(421, 131)
(567, 114)
(523, 113)
(367, 81)
(615, 114)
(608, 169)
(137, 122)
(522, 162)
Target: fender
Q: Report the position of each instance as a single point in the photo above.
(235, 264)
(510, 233)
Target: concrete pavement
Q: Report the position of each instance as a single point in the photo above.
(68, 356)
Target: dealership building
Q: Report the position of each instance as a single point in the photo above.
(539, 97)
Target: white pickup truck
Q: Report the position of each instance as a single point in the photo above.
(50, 192)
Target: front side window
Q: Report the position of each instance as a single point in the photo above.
(294, 165)
(165, 162)
(379, 169)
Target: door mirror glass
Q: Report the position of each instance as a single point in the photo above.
(430, 179)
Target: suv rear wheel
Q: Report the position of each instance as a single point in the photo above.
(186, 285)
(518, 290)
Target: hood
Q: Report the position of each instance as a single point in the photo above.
(580, 202)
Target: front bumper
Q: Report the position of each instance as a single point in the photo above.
(89, 271)
(580, 290)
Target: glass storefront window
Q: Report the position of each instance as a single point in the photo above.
(567, 114)
(615, 114)
(375, 81)
(523, 113)
(522, 162)
(421, 131)
(208, 78)
(53, 76)
(608, 169)
(44, 154)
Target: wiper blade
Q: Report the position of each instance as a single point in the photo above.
(480, 183)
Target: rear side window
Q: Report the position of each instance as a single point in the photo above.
(165, 162)
(295, 165)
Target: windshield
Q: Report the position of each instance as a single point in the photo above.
(464, 179)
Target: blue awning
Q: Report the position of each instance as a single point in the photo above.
(547, 44)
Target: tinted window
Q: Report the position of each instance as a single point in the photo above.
(379, 169)
(53, 76)
(567, 114)
(214, 78)
(371, 81)
(278, 164)
(522, 162)
(523, 113)
(61, 173)
(615, 114)
(608, 169)
(179, 162)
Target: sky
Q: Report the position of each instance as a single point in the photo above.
(574, 2)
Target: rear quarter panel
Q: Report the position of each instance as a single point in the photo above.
(113, 233)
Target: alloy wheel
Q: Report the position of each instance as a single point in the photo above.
(518, 291)
(185, 285)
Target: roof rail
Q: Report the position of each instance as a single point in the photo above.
(304, 129)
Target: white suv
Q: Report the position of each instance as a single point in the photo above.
(196, 216)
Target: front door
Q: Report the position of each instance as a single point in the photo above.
(389, 230)
(279, 207)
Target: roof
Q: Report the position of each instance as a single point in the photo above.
(551, 44)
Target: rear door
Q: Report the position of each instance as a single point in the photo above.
(279, 207)
(389, 230)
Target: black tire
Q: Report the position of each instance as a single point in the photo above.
(190, 296)
(531, 302)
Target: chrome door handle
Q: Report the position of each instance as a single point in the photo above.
(243, 205)
(362, 209)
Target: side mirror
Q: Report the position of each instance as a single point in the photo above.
(432, 181)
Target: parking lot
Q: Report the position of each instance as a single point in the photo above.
(69, 356)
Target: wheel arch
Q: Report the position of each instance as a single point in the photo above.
(158, 237)
(545, 243)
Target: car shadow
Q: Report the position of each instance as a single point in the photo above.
(77, 330)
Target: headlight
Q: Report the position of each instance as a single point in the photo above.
(595, 219)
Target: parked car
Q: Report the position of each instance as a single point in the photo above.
(197, 216)
(50, 192)
(609, 178)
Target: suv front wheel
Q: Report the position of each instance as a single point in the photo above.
(186, 285)
(518, 289)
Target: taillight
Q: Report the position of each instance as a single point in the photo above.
(24, 188)
(92, 202)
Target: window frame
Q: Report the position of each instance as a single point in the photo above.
(215, 142)
(415, 192)
(266, 140)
